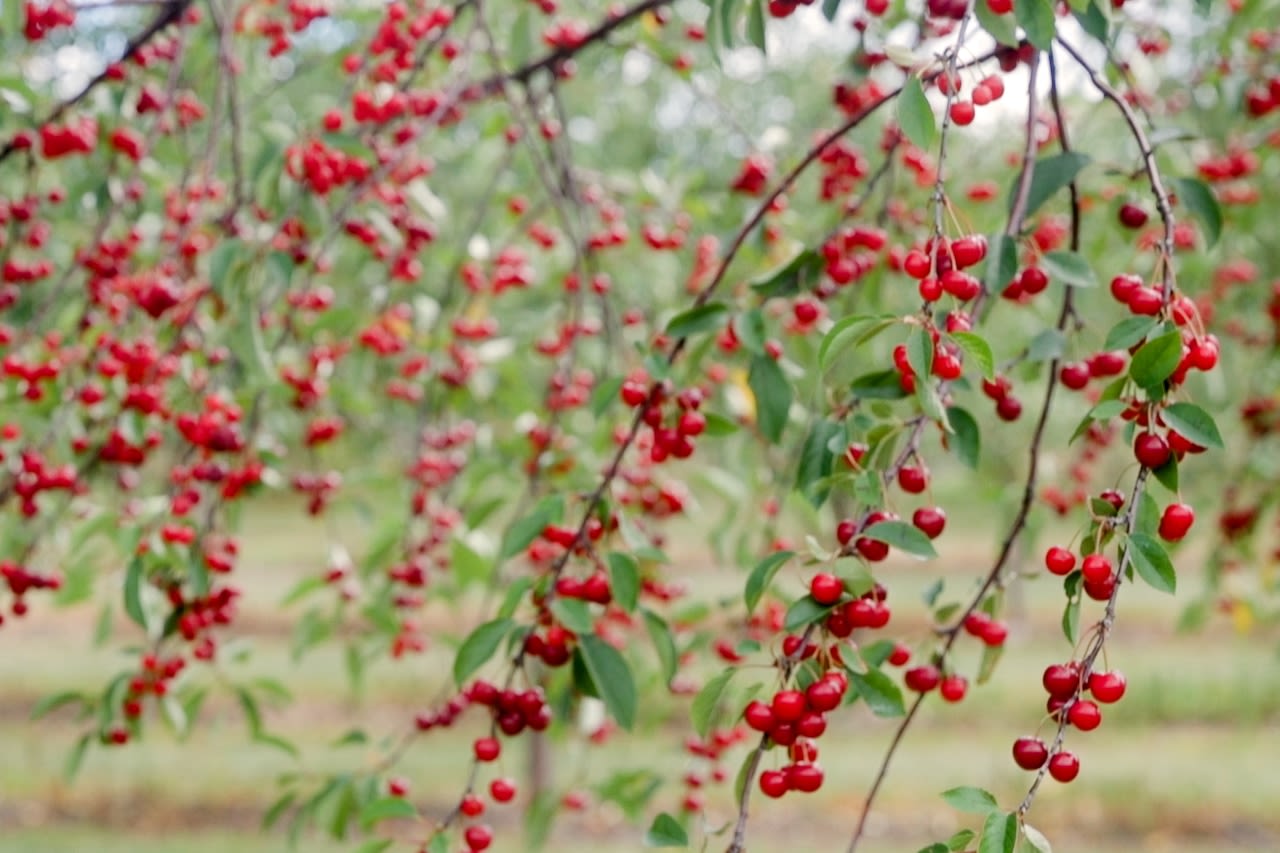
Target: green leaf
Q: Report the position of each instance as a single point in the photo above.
(612, 676)
(718, 425)
(1037, 21)
(803, 612)
(75, 757)
(903, 536)
(573, 613)
(1050, 176)
(755, 24)
(966, 438)
(133, 592)
(852, 331)
(278, 808)
(936, 847)
(1129, 331)
(882, 696)
(520, 534)
(1035, 839)
(707, 699)
(515, 594)
(386, 808)
(1192, 423)
(961, 839)
(920, 352)
(55, 701)
(378, 845)
(1000, 27)
(1002, 261)
(1167, 474)
(979, 350)
(1199, 199)
(702, 318)
(971, 800)
(816, 461)
(880, 385)
(1070, 268)
(987, 665)
(624, 576)
(1152, 563)
(787, 280)
(479, 646)
(830, 8)
(1071, 620)
(666, 831)
(663, 643)
(915, 116)
(1048, 345)
(605, 394)
(761, 576)
(773, 396)
(1156, 360)
(999, 833)
(1094, 22)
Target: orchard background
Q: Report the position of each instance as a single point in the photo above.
(732, 424)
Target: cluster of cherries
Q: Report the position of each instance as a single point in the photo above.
(795, 719)
(21, 580)
(1065, 685)
(671, 436)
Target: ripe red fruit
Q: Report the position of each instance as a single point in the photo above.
(1100, 591)
(1033, 280)
(1084, 715)
(953, 688)
(1176, 521)
(804, 777)
(1009, 408)
(811, 725)
(788, 706)
(913, 479)
(1061, 680)
(502, 790)
(487, 749)
(823, 695)
(995, 633)
(1096, 568)
(1000, 7)
(962, 112)
(931, 520)
(758, 716)
(1075, 375)
(773, 783)
(478, 837)
(1146, 301)
(1132, 216)
(1059, 561)
(900, 654)
(1064, 766)
(826, 588)
(1151, 450)
(397, 786)
(471, 805)
(1030, 753)
(922, 679)
(1124, 286)
(1107, 687)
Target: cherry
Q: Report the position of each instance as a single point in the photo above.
(758, 716)
(804, 777)
(922, 679)
(1064, 766)
(397, 786)
(953, 688)
(913, 479)
(931, 520)
(1096, 568)
(1146, 301)
(962, 112)
(487, 749)
(1059, 561)
(1107, 687)
(1061, 680)
(900, 655)
(471, 805)
(1030, 753)
(1100, 591)
(1151, 450)
(478, 837)
(1124, 286)
(845, 531)
(788, 706)
(1075, 375)
(502, 790)
(1176, 521)
(1009, 408)
(773, 783)
(1084, 715)
(995, 633)
(1000, 7)
(1132, 216)
(823, 695)
(826, 588)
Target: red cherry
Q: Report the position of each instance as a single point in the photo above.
(930, 520)
(811, 725)
(1061, 680)
(1146, 301)
(953, 688)
(478, 837)
(900, 654)
(873, 550)
(823, 695)
(976, 623)
(788, 706)
(1000, 7)
(913, 479)
(487, 749)
(826, 588)
(1059, 561)
(1096, 568)
(962, 112)
(1176, 521)
(471, 806)
(804, 777)
(922, 679)
(995, 633)
(1107, 687)
(1033, 280)
(502, 790)
(397, 786)
(1124, 286)
(773, 783)
(845, 531)
(1132, 216)
(758, 716)
(1064, 766)
(1075, 375)
(1151, 450)
(1084, 715)
(1030, 753)
(1009, 408)
(1100, 591)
